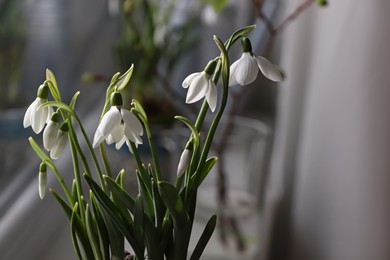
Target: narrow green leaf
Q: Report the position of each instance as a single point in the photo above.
(65, 206)
(124, 79)
(92, 233)
(50, 76)
(121, 197)
(139, 220)
(191, 126)
(103, 233)
(174, 203)
(146, 194)
(238, 34)
(120, 179)
(115, 215)
(209, 164)
(37, 149)
(204, 238)
(79, 235)
(74, 98)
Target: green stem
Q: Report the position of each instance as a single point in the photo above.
(90, 148)
(153, 151)
(106, 163)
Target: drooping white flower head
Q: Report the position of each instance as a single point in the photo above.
(42, 176)
(200, 84)
(37, 118)
(244, 71)
(61, 140)
(51, 131)
(118, 125)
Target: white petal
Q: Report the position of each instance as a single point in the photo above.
(38, 118)
(109, 121)
(132, 122)
(197, 89)
(212, 96)
(133, 137)
(118, 133)
(232, 78)
(119, 144)
(50, 112)
(56, 151)
(110, 139)
(30, 110)
(268, 69)
(50, 135)
(247, 69)
(97, 139)
(187, 81)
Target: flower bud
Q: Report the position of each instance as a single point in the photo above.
(184, 162)
(42, 180)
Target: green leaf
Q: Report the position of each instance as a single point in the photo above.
(204, 238)
(120, 178)
(191, 126)
(74, 98)
(174, 203)
(140, 110)
(50, 76)
(79, 235)
(238, 34)
(121, 197)
(124, 79)
(41, 154)
(65, 206)
(92, 232)
(52, 83)
(115, 215)
(209, 164)
(102, 230)
(139, 220)
(146, 193)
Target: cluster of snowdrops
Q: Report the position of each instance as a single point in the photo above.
(156, 223)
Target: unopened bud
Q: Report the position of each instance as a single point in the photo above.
(42, 180)
(184, 162)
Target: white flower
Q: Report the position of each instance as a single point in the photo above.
(37, 118)
(244, 71)
(62, 138)
(42, 180)
(118, 125)
(51, 131)
(184, 162)
(200, 84)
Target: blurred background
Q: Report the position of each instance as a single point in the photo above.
(306, 162)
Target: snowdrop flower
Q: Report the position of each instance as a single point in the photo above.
(42, 176)
(37, 118)
(51, 131)
(62, 138)
(244, 71)
(200, 84)
(118, 125)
